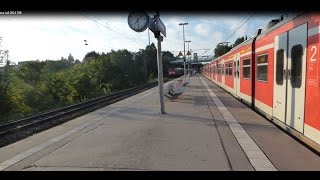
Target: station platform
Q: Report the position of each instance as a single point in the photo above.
(204, 129)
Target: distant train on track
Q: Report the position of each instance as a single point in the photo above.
(277, 73)
(175, 72)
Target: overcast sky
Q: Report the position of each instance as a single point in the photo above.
(32, 37)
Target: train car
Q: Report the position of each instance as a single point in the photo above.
(175, 72)
(277, 73)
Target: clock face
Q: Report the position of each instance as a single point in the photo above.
(138, 21)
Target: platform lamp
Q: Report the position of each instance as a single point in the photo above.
(184, 48)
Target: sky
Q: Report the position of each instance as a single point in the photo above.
(42, 37)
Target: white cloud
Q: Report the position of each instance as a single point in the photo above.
(43, 37)
(202, 29)
(217, 37)
(51, 38)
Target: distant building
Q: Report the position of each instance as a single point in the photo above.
(195, 56)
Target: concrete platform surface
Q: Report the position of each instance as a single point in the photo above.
(204, 129)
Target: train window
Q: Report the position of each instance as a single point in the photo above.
(279, 66)
(222, 68)
(218, 69)
(262, 67)
(230, 69)
(235, 69)
(246, 68)
(296, 66)
(227, 69)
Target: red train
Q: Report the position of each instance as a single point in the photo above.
(175, 72)
(277, 72)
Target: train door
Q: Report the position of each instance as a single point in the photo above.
(212, 73)
(280, 81)
(216, 76)
(236, 74)
(222, 73)
(293, 75)
(209, 72)
(296, 76)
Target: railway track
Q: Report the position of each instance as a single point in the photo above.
(17, 130)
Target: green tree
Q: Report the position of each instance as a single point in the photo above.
(30, 71)
(221, 49)
(166, 58)
(5, 79)
(141, 63)
(77, 61)
(238, 41)
(90, 55)
(70, 59)
(151, 53)
(37, 86)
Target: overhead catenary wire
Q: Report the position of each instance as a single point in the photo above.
(205, 52)
(104, 45)
(236, 29)
(108, 24)
(105, 22)
(114, 30)
(194, 50)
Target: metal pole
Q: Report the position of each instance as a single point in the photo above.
(145, 60)
(0, 51)
(188, 59)
(184, 53)
(184, 49)
(160, 75)
(149, 36)
(188, 45)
